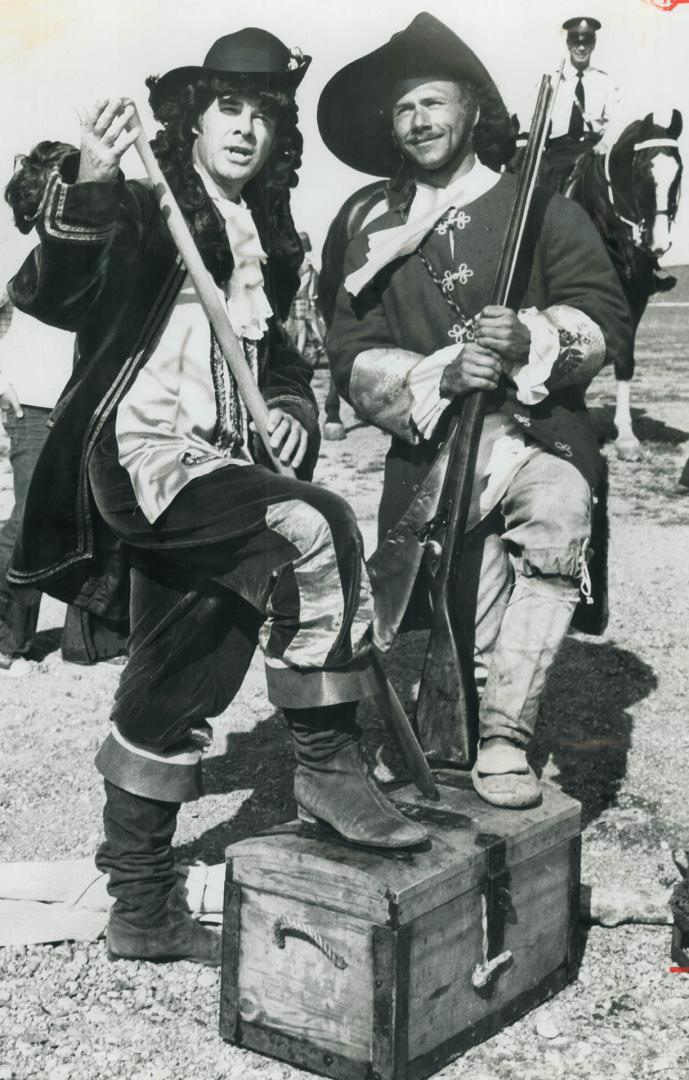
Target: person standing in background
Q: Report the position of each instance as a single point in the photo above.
(304, 323)
(36, 362)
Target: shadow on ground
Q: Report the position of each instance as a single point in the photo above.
(584, 726)
(584, 731)
(646, 428)
(260, 761)
(584, 736)
(45, 642)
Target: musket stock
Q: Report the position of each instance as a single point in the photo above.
(447, 705)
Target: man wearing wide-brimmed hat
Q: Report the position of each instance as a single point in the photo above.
(587, 102)
(412, 331)
(152, 447)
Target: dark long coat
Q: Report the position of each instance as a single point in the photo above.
(564, 263)
(107, 268)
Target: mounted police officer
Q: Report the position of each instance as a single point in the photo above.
(587, 102)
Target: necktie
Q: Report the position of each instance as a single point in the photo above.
(576, 120)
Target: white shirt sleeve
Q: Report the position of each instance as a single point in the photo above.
(530, 377)
(424, 383)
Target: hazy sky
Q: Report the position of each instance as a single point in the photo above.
(57, 54)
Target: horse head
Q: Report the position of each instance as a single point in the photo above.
(644, 171)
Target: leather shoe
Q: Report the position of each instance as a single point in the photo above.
(180, 939)
(341, 793)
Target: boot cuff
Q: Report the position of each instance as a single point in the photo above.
(169, 777)
(292, 688)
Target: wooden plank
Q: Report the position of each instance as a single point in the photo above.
(574, 906)
(310, 980)
(447, 943)
(390, 1018)
(397, 887)
(229, 994)
(301, 1052)
(429, 1063)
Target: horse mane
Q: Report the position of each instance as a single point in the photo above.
(589, 187)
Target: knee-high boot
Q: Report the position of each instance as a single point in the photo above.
(148, 920)
(332, 783)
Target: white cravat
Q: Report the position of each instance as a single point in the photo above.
(428, 206)
(247, 303)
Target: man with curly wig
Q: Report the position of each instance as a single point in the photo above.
(412, 330)
(152, 449)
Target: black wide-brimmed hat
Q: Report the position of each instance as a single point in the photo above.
(354, 108)
(250, 51)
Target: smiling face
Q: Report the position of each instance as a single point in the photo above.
(432, 122)
(581, 44)
(236, 135)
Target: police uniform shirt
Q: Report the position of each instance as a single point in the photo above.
(601, 100)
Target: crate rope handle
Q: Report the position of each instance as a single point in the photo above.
(483, 973)
(282, 927)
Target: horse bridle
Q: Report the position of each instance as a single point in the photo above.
(637, 226)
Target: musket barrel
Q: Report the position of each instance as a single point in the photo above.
(447, 705)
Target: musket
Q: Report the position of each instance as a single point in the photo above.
(249, 391)
(447, 704)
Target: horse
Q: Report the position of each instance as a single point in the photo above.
(632, 193)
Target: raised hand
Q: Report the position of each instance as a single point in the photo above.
(105, 137)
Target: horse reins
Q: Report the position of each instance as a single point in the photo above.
(636, 226)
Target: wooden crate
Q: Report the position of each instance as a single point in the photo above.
(371, 965)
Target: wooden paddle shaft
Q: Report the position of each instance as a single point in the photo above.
(208, 294)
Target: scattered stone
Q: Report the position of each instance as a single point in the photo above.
(141, 998)
(207, 978)
(62, 1005)
(546, 1027)
(663, 1063)
(59, 1072)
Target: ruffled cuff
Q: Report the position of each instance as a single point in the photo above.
(530, 377)
(424, 383)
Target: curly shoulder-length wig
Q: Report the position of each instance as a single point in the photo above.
(24, 192)
(267, 194)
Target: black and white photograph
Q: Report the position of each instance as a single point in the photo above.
(344, 534)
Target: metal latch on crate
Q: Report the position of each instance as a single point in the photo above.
(496, 910)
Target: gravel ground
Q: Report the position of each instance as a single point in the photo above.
(613, 734)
